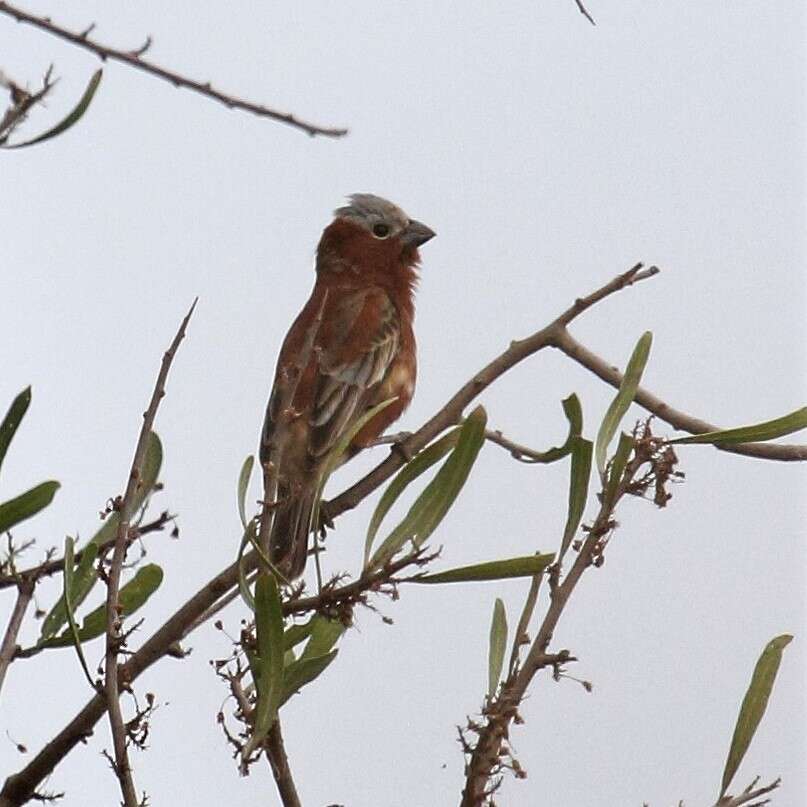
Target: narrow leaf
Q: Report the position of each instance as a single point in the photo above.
(574, 414)
(71, 119)
(759, 432)
(498, 643)
(243, 483)
(297, 633)
(579, 478)
(132, 596)
(302, 672)
(325, 633)
(411, 471)
(69, 584)
(83, 580)
(26, 505)
(619, 406)
(527, 566)
(435, 501)
(269, 636)
(16, 412)
(753, 706)
(250, 537)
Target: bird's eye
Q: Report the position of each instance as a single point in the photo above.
(380, 230)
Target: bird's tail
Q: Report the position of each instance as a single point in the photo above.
(288, 545)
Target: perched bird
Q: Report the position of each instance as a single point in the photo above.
(354, 337)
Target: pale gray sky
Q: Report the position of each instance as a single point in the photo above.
(548, 155)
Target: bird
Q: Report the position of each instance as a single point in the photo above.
(351, 347)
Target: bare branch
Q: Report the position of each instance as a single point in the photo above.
(582, 9)
(114, 639)
(279, 762)
(50, 567)
(567, 344)
(133, 58)
(25, 590)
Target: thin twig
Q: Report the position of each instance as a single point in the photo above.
(279, 762)
(22, 102)
(133, 58)
(114, 639)
(50, 567)
(582, 9)
(568, 345)
(25, 590)
(748, 795)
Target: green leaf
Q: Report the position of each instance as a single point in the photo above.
(579, 478)
(526, 566)
(16, 412)
(617, 467)
(304, 671)
(325, 633)
(26, 505)
(435, 501)
(753, 706)
(132, 596)
(574, 414)
(759, 432)
(69, 585)
(411, 471)
(243, 483)
(619, 406)
(152, 462)
(498, 643)
(83, 579)
(71, 119)
(250, 537)
(269, 637)
(295, 634)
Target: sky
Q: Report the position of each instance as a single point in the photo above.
(549, 155)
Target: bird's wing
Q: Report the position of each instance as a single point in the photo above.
(361, 341)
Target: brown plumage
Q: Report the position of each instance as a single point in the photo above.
(363, 353)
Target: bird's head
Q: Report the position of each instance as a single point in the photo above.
(371, 236)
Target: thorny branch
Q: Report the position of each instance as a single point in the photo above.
(114, 639)
(134, 58)
(19, 787)
(490, 753)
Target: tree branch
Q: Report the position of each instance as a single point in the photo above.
(25, 590)
(50, 567)
(114, 622)
(567, 344)
(279, 762)
(133, 58)
(582, 9)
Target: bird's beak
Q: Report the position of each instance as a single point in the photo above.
(416, 233)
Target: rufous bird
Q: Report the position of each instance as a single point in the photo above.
(351, 347)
